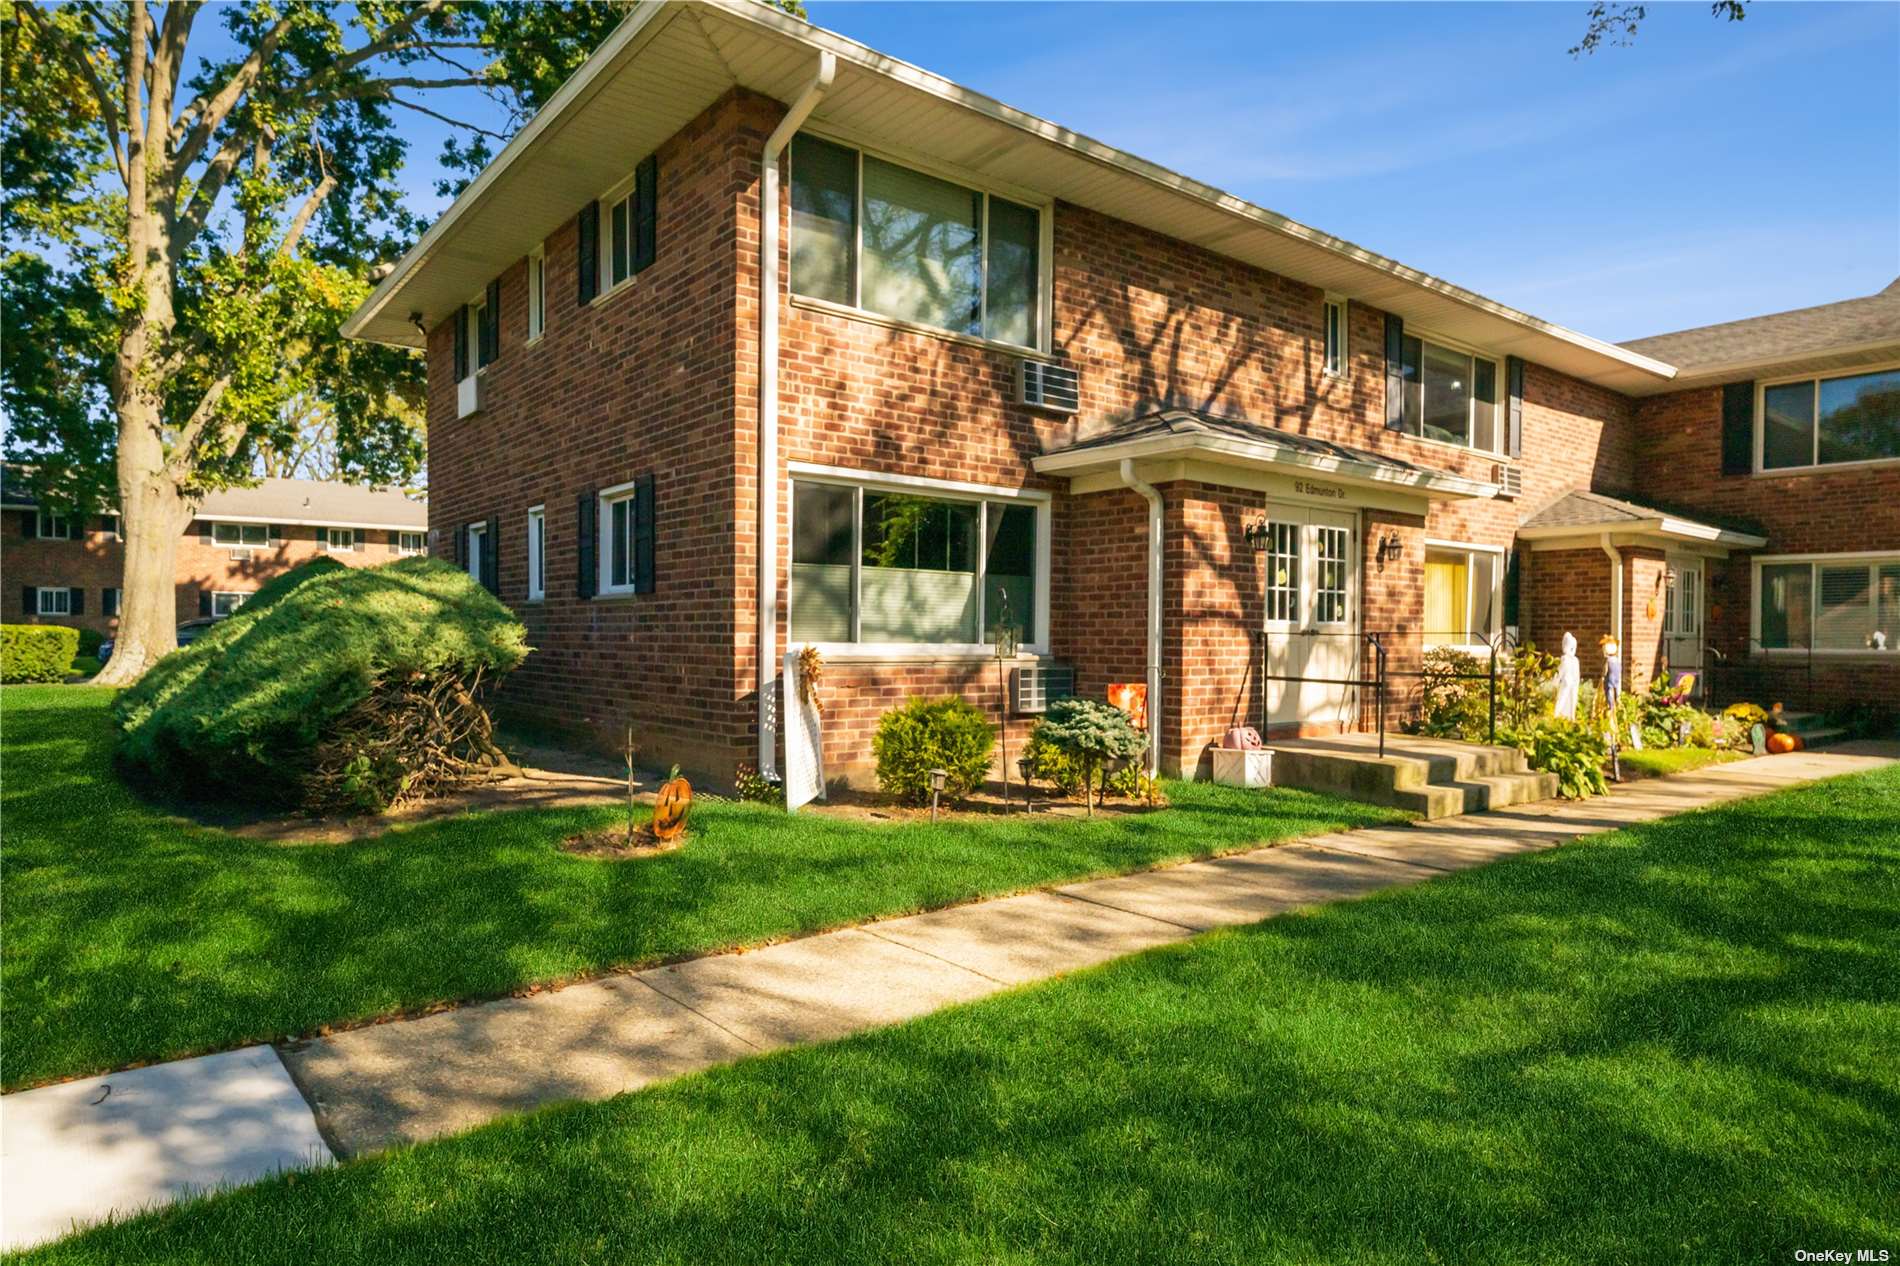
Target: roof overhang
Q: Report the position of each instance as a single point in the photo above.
(605, 119)
(1849, 356)
(1098, 465)
(291, 520)
(1663, 530)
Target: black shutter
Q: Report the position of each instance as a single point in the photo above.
(643, 519)
(204, 602)
(1738, 428)
(109, 602)
(30, 602)
(1394, 373)
(277, 533)
(1513, 578)
(646, 211)
(491, 558)
(461, 343)
(460, 534)
(1514, 411)
(30, 524)
(587, 263)
(78, 601)
(204, 531)
(587, 544)
(493, 309)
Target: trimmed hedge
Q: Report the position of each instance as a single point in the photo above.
(279, 702)
(37, 652)
(927, 734)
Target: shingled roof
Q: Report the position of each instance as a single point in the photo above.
(1581, 511)
(308, 502)
(1780, 336)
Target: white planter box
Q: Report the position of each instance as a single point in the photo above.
(1235, 767)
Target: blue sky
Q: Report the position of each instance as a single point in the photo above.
(1712, 171)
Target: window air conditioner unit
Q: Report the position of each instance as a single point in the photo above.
(1033, 687)
(468, 395)
(1040, 385)
(240, 555)
(1509, 479)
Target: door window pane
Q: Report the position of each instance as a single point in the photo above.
(917, 581)
(1329, 581)
(1009, 571)
(1447, 394)
(824, 219)
(1844, 616)
(1283, 571)
(1860, 417)
(921, 238)
(1690, 615)
(823, 529)
(1014, 274)
(1787, 436)
(1785, 610)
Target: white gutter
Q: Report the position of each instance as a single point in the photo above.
(1616, 591)
(767, 553)
(1154, 610)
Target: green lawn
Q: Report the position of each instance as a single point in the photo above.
(1670, 1044)
(1652, 762)
(132, 936)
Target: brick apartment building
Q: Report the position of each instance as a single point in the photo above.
(989, 366)
(66, 569)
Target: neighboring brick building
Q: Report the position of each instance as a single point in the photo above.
(989, 365)
(66, 569)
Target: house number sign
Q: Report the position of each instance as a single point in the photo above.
(1317, 490)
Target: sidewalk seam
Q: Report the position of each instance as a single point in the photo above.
(680, 1002)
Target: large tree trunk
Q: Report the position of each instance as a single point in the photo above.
(152, 515)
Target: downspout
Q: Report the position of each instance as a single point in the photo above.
(1616, 594)
(767, 555)
(1153, 496)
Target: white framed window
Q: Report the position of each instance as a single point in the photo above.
(1283, 571)
(878, 236)
(473, 556)
(340, 540)
(628, 225)
(58, 527)
(226, 603)
(1845, 420)
(55, 601)
(537, 553)
(889, 565)
(411, 542)
(1463, 598)
(1333, 318)
(1827, 603)
(1451, 394)
(537, 293)
(619, 538)
(240, 535)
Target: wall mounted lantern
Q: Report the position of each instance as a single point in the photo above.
(1256, 535)
(1389, 547)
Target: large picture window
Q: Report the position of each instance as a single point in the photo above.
(868, 233)
(1450, 396)
(1827, 421)
(1461, 595)
(1843, 604)
(240, 535)
(888, 567)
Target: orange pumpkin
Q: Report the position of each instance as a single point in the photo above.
(669, 809)
(1781, 743)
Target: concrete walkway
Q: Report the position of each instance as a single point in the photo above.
(204, 1124)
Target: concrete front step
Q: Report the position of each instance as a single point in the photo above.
(1434, 778)
(1811, 727)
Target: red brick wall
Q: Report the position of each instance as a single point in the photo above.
(1567, 591)
(98, 563)
(1644, 578)
(1392, 602)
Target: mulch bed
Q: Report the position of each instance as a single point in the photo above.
(609, 844)
(871, 806)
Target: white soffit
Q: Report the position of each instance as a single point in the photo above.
(668, 62)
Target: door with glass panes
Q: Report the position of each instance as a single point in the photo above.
(1312, 616)
(1682, 615)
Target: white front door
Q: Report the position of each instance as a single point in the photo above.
(1682, 616)
(1312, 616)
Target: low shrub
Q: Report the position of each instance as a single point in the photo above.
(1091, 734)
(334, 688)
(1051, 765)
(926, 734)
(36, 652)
(758, 788)
(90, 640)
(1572, 750)
(1455, 695)
(1739, 719)
(1660, 712)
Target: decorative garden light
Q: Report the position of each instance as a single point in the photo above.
(1004, 635)
(1024, 766)
(938, 777)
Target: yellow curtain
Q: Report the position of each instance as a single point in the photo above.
(1445, 588)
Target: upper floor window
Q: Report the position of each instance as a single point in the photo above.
(1334, 314)
(871, 234)
(61, 527)
(1450, 395)
(411, 542)
(240, 535)
(1829, 421)
(478, 332)
(537, 294)
(339, 540)
(632, 214)
(55, 602)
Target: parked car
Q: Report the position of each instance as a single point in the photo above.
(188, 632)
